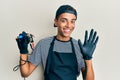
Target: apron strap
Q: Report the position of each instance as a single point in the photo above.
(73, 50)
(48, 62)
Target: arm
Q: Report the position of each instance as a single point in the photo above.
(27, 68)
(87, 50)
(88, 72)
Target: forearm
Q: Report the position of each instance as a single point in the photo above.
(24, 68)
(28, 67)
(89, 70)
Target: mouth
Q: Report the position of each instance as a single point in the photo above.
(67, 30)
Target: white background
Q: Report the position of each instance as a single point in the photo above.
(37, 16)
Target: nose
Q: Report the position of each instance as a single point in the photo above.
(68, 24)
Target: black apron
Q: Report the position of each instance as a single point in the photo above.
(61, 66)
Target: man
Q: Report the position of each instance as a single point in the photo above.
(61, 56)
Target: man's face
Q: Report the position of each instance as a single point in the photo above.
(65, 24)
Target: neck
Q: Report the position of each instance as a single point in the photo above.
(61, 38)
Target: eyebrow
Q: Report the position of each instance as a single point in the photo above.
(66, 18)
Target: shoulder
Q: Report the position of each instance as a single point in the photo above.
(75, 41)
(45, 41)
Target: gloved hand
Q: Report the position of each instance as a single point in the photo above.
(89, 45)
(23, 41)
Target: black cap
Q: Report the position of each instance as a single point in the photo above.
(65, 9)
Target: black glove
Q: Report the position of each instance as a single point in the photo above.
(23, 41)
(89, 45)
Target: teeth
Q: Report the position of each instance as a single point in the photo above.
(67, 30)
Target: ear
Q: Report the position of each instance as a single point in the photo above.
(55, 22)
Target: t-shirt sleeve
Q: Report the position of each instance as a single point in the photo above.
(79, 56)
(81, 63)
(35, 58)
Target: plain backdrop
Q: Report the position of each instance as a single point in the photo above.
(37, 17)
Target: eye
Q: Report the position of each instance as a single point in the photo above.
(73, 21)
(63, 20)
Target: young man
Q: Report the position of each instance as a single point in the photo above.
(61, 56)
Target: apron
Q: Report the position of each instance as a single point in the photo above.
(61, 66)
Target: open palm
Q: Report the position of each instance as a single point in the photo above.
(89, 45)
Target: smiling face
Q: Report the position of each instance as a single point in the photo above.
(66, 25)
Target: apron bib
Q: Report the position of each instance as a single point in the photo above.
(61, 66)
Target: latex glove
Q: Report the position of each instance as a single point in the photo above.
(22, 42)
(89, 45)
